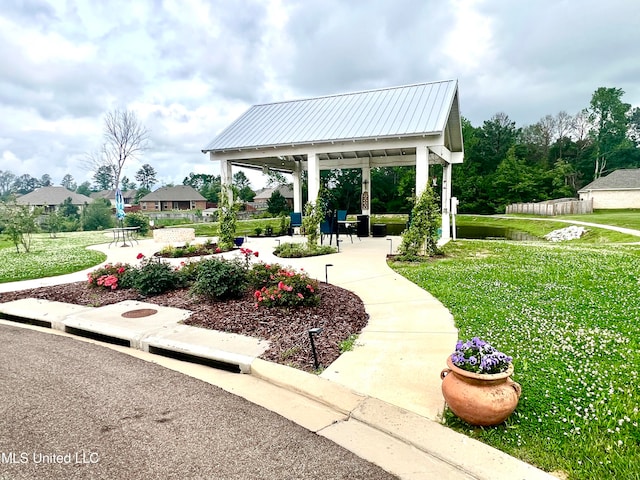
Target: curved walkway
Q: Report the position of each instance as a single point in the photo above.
(385, 394)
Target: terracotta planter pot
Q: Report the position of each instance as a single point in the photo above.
(477, 398)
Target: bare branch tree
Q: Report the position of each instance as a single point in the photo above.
(124, 138)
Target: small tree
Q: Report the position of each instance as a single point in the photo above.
(422, 234)
(124, 138)
(277, 204)
(68, 209)
(19, 223)
(54, 223)
(97, 215)
(314, 213)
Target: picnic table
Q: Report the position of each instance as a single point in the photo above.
(126, 235)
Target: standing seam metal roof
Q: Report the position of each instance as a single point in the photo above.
(391, 112)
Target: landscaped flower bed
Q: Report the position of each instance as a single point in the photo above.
(189, 250)
(285, 323)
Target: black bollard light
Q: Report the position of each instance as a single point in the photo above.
(312, 333)
(326, 272)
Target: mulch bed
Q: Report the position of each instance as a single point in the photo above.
(340, 314)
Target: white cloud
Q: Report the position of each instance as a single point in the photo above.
(190, 67)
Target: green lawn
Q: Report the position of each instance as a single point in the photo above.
(620, 218)
(568, 314)
(50, 256)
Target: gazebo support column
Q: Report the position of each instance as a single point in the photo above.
(446, 202)
(226, 178)
(365, 201)
(297, 189)
(422, 169)
(313, 165)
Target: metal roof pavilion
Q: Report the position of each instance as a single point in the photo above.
(398, 126)
(413, 110)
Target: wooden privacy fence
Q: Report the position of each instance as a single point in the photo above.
(572, 207)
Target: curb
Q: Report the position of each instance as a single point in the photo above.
(471, 457)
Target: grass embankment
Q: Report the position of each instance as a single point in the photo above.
(568, 315)
(540, 228)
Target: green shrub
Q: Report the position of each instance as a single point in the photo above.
(97, 215)
(220, 279)
(168, 251)
(284, 225)
(187, 272)
(137, 219)
(299, 250)
(422, 235)
(153, 277)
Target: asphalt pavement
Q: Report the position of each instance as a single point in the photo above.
(71, 410)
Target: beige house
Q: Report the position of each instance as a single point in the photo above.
(619, 189)
(181, 197)
(50, 198)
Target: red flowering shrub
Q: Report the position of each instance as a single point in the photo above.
(110, 276)
(276, 286)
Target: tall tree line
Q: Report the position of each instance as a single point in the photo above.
(550, 159)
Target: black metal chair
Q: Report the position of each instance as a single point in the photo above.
(328, 227)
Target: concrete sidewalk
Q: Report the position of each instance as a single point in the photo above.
(381, 400)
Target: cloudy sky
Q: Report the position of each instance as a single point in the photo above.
(190, 67)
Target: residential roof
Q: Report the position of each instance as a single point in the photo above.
(111, 194)
(52, 196)
(622, 179)
(265, 194)
(179, 193)
(405, 111)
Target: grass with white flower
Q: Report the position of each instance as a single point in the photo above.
(568, 314)
(48, 256)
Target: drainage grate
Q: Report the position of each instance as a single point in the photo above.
(28, 321)
(97, 336)
(209, 362)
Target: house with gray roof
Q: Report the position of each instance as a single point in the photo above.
(619, 189)
(413, 125)
(262, 197)
(180, 197)
(50, 198)
(129, 196)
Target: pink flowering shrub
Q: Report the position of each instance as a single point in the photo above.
(109, 276)
(276, 286)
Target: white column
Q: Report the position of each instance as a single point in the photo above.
(297, 188)
(313, 165)
(226, 177)
(422, 169)
(446, 201)
(366, 191)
